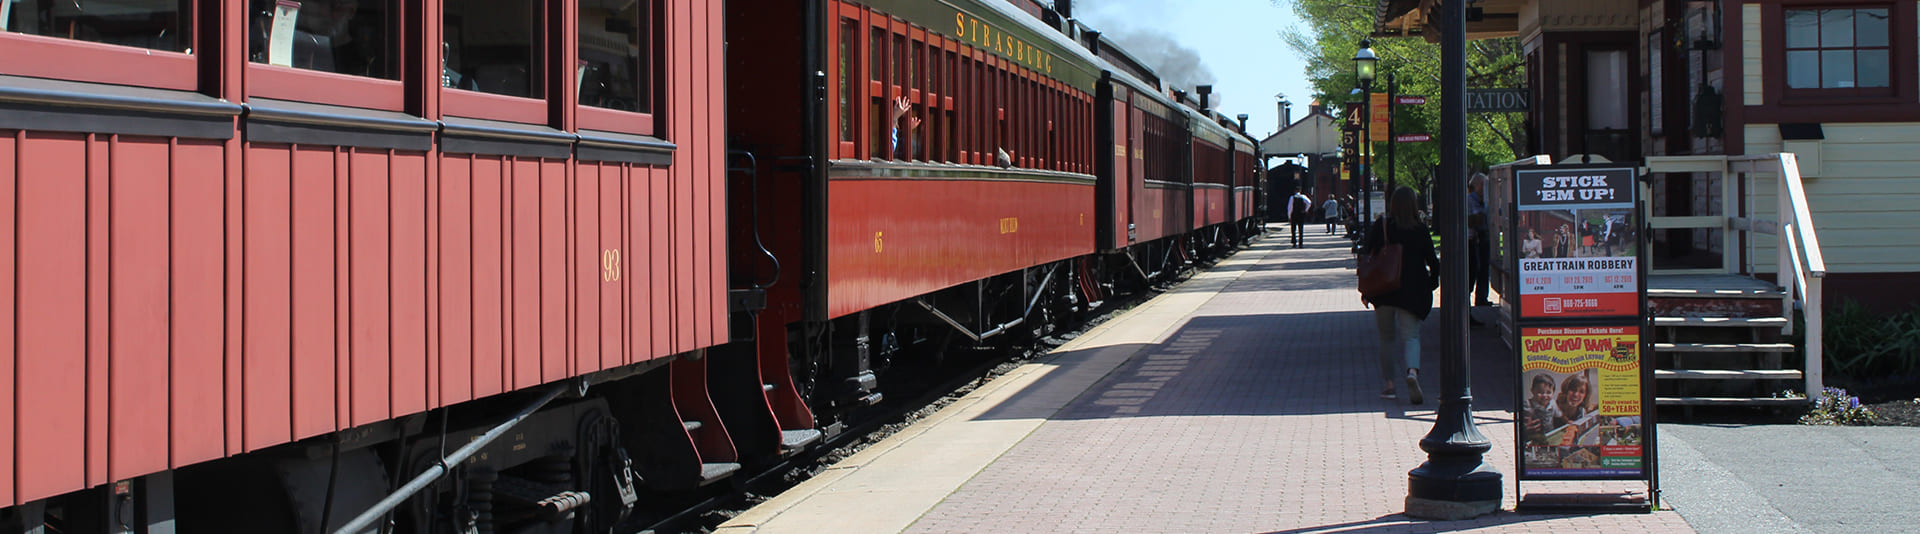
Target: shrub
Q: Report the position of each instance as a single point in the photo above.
(1865, 346)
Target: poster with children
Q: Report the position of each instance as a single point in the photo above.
(1581, 411)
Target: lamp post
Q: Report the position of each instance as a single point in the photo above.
(1456, 482)
(1363, 63)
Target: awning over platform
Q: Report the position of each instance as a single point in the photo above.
(1409, 18)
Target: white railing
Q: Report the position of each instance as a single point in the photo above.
(1801, 265)
(1798, 247)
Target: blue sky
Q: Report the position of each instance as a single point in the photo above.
(1237, 40)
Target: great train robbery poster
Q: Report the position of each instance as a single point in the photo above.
(1578, 232)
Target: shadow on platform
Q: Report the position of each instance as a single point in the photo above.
(1262, 365)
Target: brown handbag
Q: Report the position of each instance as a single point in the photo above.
(1380, 271)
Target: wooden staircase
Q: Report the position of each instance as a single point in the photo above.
(1720, 340)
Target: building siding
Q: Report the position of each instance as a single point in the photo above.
(1862, 203)
(1752, 66)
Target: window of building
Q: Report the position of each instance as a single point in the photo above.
(1838, 48)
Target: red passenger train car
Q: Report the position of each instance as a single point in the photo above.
(232, 226)
(521, 265)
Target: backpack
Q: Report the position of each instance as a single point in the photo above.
(1300, 206)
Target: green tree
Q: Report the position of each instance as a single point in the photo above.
(1331, 37)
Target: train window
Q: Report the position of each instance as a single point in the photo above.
(849, 34)
(493, 46)
(878, 54)
(616, 49)
(154, 41)
(881, 137)
(962, 96)
(353, 37)
(151, 24)
(915, 66)
(916, 73)
(951, 78)
(902, 63)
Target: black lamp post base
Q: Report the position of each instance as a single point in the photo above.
(1448, 492)
(1419, 508)
(1456, 482)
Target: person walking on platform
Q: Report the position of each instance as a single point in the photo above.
(1298, 209)
(1398, 313)
(1331, 210)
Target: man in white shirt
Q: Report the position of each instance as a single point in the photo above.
(1298, 208)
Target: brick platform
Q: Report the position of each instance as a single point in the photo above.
(1242, 401)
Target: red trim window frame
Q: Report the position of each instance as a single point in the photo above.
(1030, 111)
(879, 42)
(976, 106)
(41, 56)
(985, 129)
(850, 47)
(320, 87)
(527, 110)
(949, 83)
(919, 93)
(963, 114)
(654, 64)
(930, 91)
(1901, 83)
(900, 70)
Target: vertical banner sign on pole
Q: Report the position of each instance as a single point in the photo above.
(1382, 115)
(1585, 377)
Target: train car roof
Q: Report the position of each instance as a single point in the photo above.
(1003, 30)
(1121, 76)
(1204, 127)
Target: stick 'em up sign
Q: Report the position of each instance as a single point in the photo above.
(1579, 242)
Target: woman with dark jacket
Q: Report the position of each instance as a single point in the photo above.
(1398, 314)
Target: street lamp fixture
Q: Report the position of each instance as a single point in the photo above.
(1364, 61)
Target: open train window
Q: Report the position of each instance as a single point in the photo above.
(343, 52)
(494, 47)
(128, 42)
(917, 75)
(617, 71)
